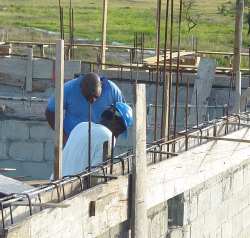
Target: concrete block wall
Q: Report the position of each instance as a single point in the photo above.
(28, 147)
(219, 207)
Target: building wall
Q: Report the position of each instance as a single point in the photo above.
(220, 207)
(27, 146)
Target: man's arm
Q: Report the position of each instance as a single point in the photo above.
(116, 93)
(50, 116)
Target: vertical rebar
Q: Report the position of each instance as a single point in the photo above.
(170, 65)
(196, 108)
(165, 85)
(89, 144)
(178, 70)
(157, 68)
(112, 153)
(186, 105)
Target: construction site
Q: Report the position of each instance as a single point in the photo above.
(182, 167)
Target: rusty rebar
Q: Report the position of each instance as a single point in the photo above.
(178, 70)
(157, 67)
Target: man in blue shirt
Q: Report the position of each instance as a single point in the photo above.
(78, 93)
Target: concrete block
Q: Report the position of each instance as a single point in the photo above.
(238, 181)
(175, 233)
(216, 196)
(14, 130)
(41, 132)
(226, 229)
(227, 187)
(204, 201)
(246, 175)
(3, 149)
(49, 151)
(31, 170)
(237, 225)
(26, 151)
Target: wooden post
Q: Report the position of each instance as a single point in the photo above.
(59, 84)
(139, 224)
(237, 51)
(28, 81)
(104, 31)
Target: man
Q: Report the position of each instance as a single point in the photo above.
(114, 120)
(78, 93)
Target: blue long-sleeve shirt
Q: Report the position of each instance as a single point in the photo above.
(76, 105)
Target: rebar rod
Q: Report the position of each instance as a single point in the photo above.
(157, 67)
(178, 70)
(170, 65)
(165, 85)
(186, 105)
(89, 142)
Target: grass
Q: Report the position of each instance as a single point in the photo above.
(214, 31)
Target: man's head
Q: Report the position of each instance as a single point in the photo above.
(118, 118)
(91, 87)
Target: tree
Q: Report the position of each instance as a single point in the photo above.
(191, 19)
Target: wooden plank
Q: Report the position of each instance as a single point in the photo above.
(139, 169)
(152, 60)
(29, 70)
(59, 109)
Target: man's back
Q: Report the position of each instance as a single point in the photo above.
(75, 153)
(76, 105)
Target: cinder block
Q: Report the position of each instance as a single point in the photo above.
(49, 151)
(226, 229)
(175, 233)
(227, 189)
(204, 201)
(238, 181)
(3, 149)
(41, 132)
(237, 225)
(216, 196)
(14, 130)
(246, 175)
(26, 151)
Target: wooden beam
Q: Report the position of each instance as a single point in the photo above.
(29, 70)
(59, 109)
(139, 167)
(104, 31)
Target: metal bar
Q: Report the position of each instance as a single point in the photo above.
(178, 70)
(157, 66)
(186, 105)
(46, 205)
(170, 65)
(165, 102)
(196, 108)
(220, 139)
(163, 152)
(112, 153)
(89, 143)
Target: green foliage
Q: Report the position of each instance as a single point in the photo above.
(213, 29)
